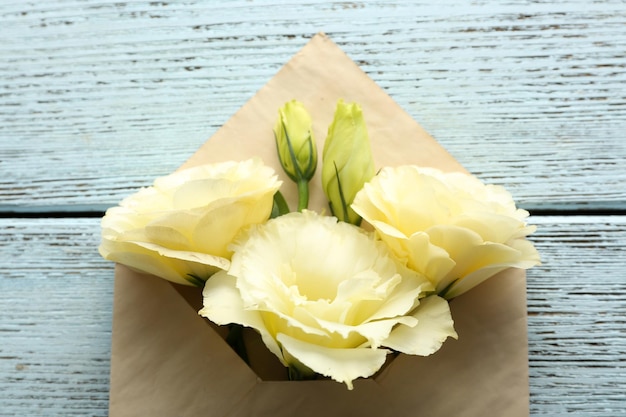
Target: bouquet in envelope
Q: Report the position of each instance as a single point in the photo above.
(336, 263)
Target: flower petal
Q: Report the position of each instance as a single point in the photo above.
(434, 326)
(182, 267)
(429, 259)
(223, 305)
(342, 365)
(211, 261)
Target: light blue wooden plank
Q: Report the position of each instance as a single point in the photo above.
(576, 307)
(525, 94)
(56, 303)
(55, 323)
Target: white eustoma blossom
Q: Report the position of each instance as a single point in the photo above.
(327, 297)
(180, 227)
(450, 227)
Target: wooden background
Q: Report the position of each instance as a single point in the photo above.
(97, 98)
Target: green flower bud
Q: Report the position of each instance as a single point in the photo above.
(347, 160)
(294, 140)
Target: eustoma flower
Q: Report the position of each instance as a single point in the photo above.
(326, 297)
(180, 228)
(347, 160)
(450, 227)
(296, 147)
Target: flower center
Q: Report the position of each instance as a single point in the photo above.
(312, 284)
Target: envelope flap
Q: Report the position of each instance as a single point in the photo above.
(318, 76)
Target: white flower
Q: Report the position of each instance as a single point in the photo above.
(179, 229)
(450, 227)
(326, 296)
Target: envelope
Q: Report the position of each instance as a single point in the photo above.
(168, 361)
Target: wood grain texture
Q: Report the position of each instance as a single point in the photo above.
(100, 97)
(56, 296)
(577, 317)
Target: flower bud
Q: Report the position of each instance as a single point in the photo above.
(347, 160)
(294, 140)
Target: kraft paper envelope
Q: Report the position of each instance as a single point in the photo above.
(168, 361)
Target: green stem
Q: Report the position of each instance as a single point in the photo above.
(235, 341)
(303, 194)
